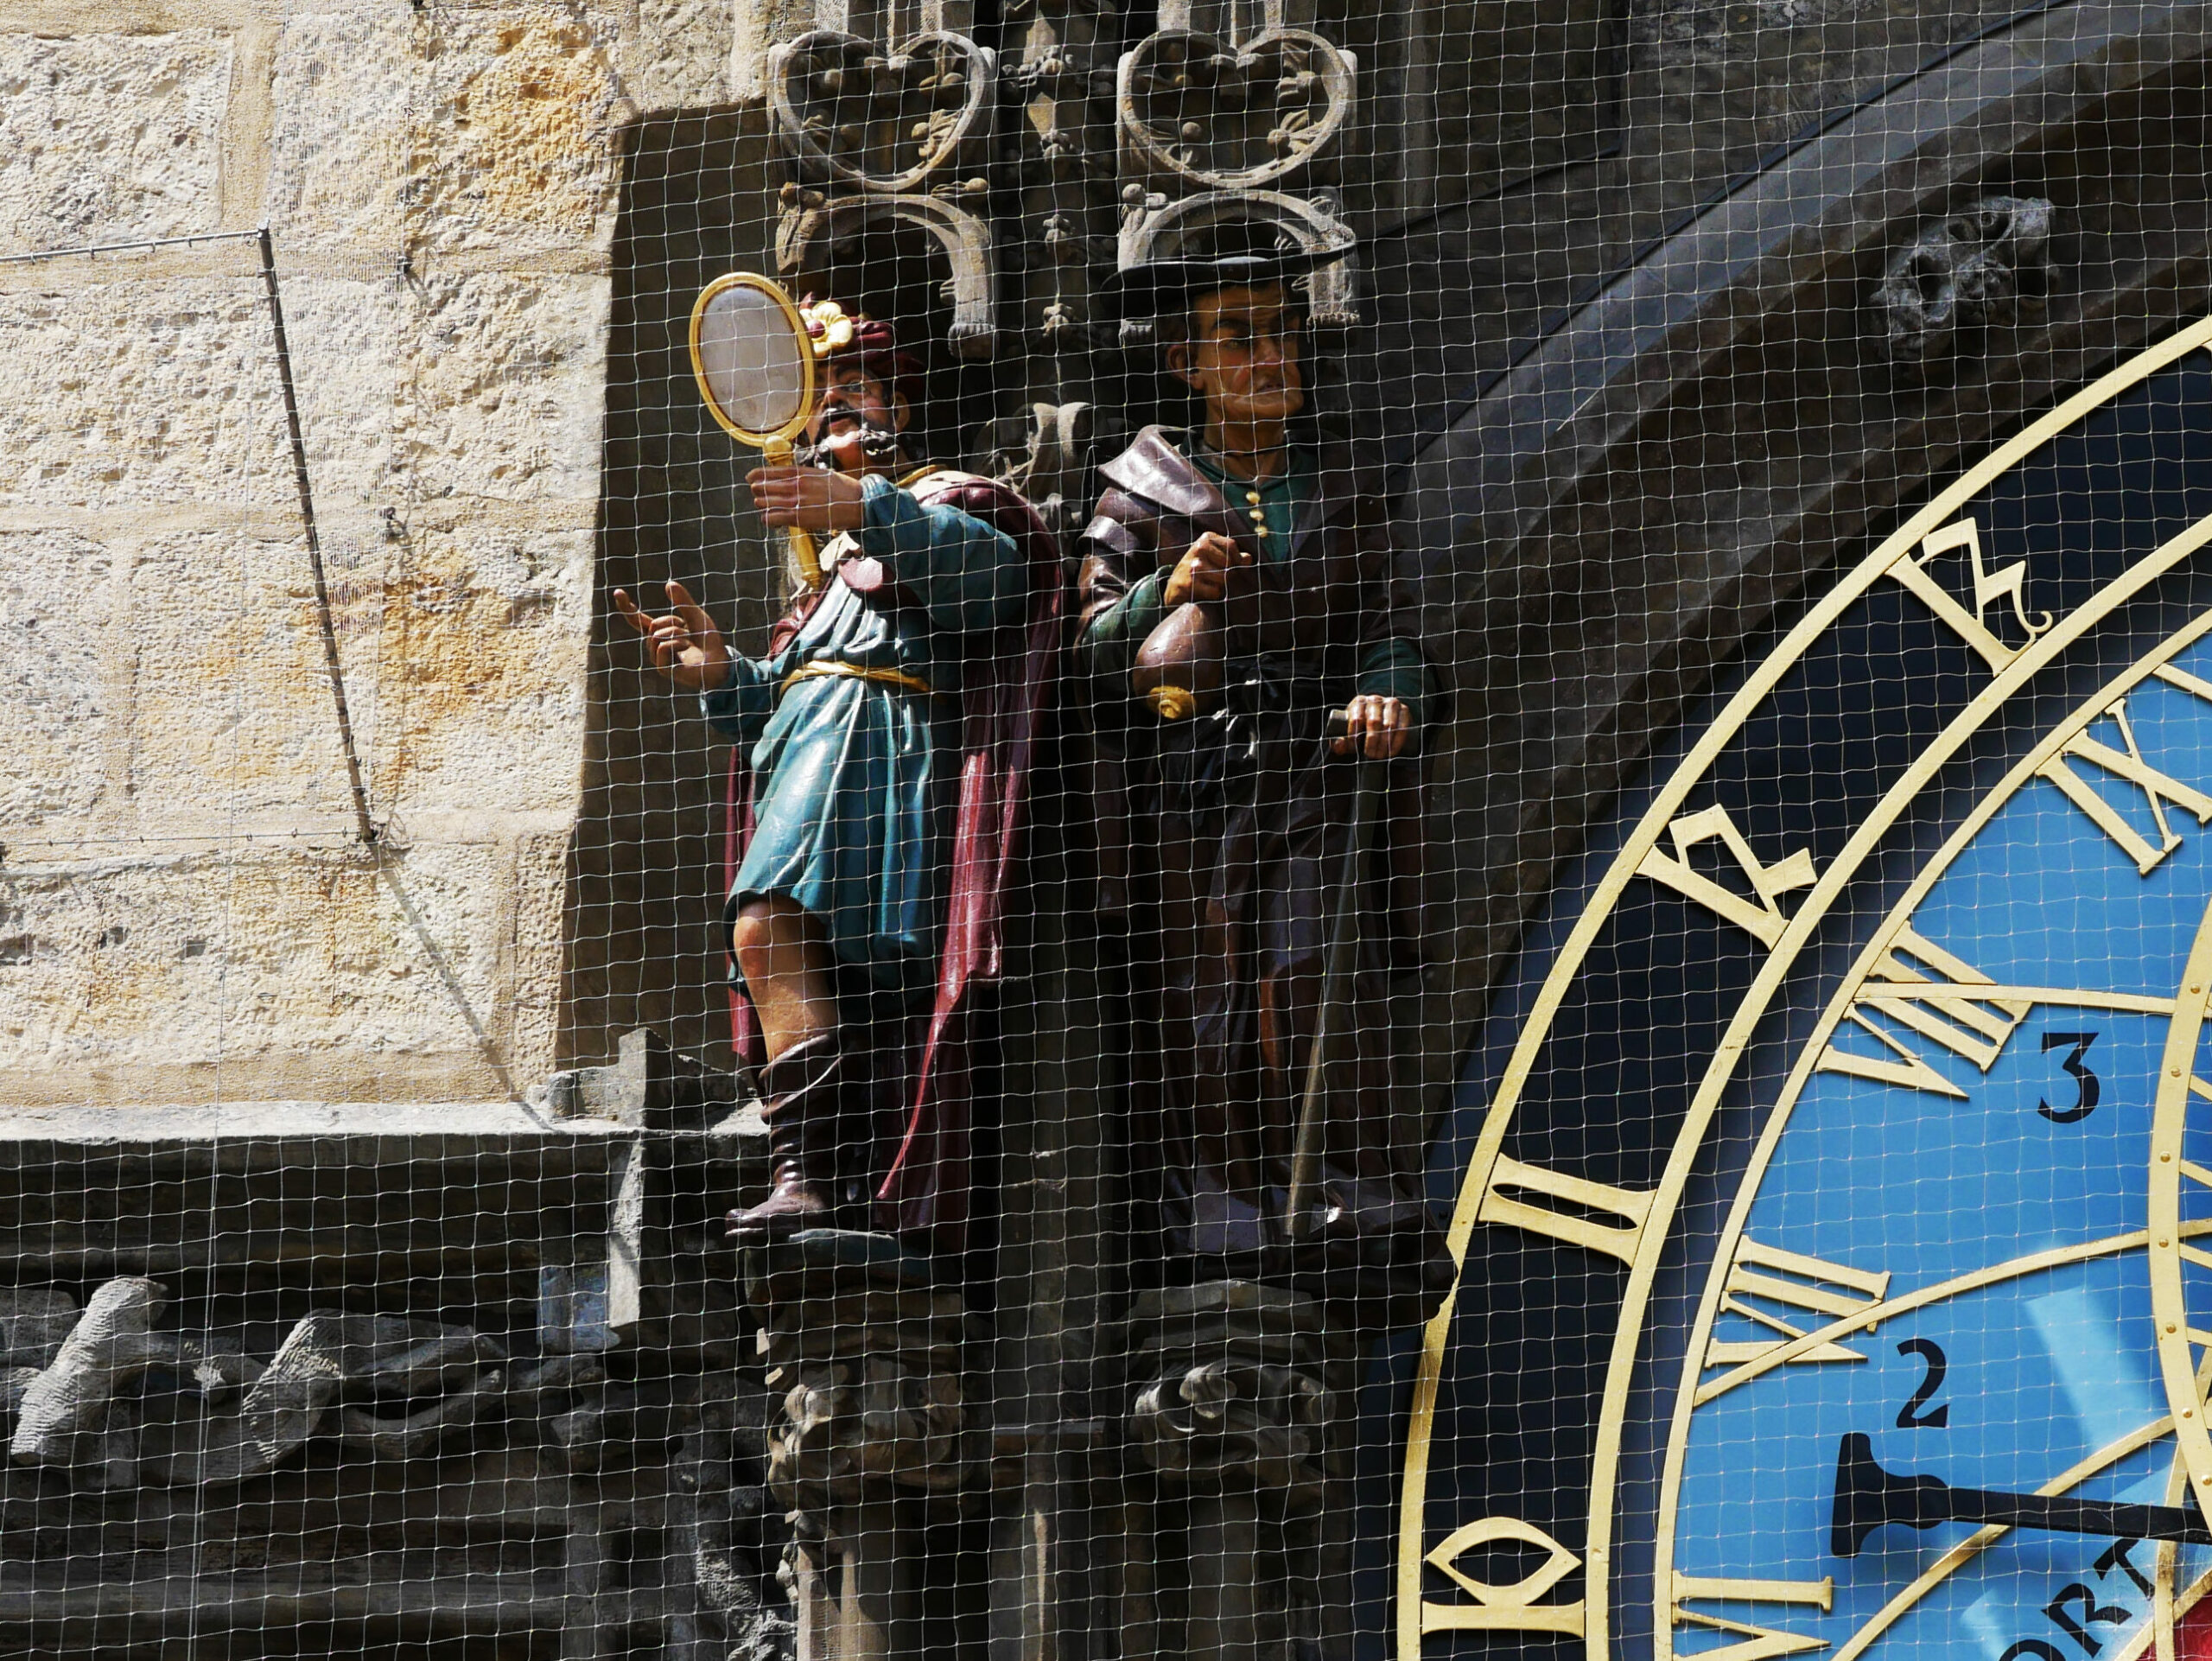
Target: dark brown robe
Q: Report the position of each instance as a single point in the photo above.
(1237, 823)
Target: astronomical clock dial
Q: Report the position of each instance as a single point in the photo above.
(1834, 1192)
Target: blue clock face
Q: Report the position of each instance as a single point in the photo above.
(1960, 1178)
(1832, 1192)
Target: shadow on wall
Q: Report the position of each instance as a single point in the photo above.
(644, 881)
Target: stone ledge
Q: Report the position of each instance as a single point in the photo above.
(89, 1123)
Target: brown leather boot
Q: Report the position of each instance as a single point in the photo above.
(800, 1101)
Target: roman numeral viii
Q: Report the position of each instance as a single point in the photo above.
(1920, 995)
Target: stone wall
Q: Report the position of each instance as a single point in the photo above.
(185, 909)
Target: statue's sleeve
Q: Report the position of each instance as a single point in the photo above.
(968, 576)
(1123, 587)
(740, 707)
(1391, 661)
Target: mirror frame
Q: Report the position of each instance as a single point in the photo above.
(775, 292)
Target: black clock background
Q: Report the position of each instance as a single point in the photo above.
(1533, 1328)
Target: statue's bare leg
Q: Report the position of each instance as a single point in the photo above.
(789, 971)
(790, 976)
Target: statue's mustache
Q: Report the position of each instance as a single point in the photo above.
(877, 443)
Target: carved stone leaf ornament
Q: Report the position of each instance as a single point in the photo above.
(1193, 109)
(1975, 268)
(965, 239)
(852, 116)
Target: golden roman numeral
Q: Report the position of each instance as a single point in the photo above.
(1504, 1608)
(1988, 585)
(2154, 789)
(1806, 1286)
(1509, 1178)
(1764, 921)
(1754, 1643)
(1921, 987)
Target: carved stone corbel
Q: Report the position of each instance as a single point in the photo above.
(809, 233)
(1234, 1414)
(867, 1352)
(1156, 228)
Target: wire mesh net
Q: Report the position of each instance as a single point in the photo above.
(1017, 830)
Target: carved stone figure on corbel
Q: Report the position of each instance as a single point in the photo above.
(867, 1351)
(1237, 1392)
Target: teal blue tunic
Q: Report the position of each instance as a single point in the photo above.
(853, 780)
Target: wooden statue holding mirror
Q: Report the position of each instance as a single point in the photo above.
(883, 741)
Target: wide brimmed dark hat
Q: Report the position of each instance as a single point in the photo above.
(1237, 256)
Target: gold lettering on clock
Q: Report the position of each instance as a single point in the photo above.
(1971, 626)
(1756, 1643)
(1760, 1277)
(2154, 789)
(1504, 1608)
(1586, 1205)
(1932, 993)
(1763, 922)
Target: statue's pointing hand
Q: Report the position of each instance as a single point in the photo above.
(686, 645)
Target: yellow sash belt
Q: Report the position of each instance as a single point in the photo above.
(854, 671)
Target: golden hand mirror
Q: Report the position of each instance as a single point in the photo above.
(755, 368)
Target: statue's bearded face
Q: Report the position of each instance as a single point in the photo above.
(855, 429)
(853, 401)
(1243, 354)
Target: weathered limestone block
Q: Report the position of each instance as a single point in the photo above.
(346, 88)
(479, 685)
(502, 397)
(515, 150)
(138, 392)
(351, 344)
(680, 53)
(231, 706)
(487, 130)
(55, 707)
(527, 1024)
(295, 974)
(111, 138)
